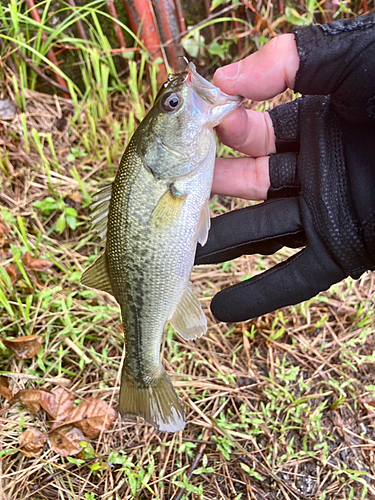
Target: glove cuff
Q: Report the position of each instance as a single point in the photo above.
(368, 232)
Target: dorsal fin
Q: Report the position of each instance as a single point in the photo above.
(100, 208)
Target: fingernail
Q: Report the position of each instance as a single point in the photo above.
(229, 72)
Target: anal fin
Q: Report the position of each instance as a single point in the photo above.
(189, 319)
(96, 276)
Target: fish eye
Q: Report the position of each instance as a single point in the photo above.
(172, 102)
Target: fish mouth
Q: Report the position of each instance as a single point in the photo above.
(221, 104)
(207, 90)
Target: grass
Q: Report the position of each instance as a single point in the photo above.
(278, 407)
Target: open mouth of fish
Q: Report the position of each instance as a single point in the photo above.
(219, 101)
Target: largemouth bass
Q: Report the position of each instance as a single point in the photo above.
(152, 217)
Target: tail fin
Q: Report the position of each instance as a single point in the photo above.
(157, 402)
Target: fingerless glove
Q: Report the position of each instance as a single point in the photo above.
(322, 193)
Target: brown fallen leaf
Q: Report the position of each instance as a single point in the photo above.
(11, 269)
(92, 416)
(33, 399)
(29, 398)
(47, 401)
(36, 264)
(25, 347)
(58, 404)
(5, 253)
(31, 442)
(369, 400)
(3, 230)
(4, 388)
(63, 405)
(73, 199)
(65, 440)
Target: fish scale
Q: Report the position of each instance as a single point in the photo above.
(156, 212)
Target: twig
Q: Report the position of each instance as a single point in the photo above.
(197, 458)
(116, 26)
(207, 5)
(40, 73)
(79, 24)
(50, 54)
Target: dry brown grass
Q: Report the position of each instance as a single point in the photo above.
(281, 407)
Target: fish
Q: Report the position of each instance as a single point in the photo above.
(151, 218)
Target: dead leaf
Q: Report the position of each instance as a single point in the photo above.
(60, 124)
(72, 425)
(29, 398)
(260, 24)
(92, 416)
(4, 388)
(25, 347)
(63, 405)
(58, 404)
(65, 440)
(33, 399)
(73, 199)
(11, 269)
(370, 401)
(31, 442)
(47, 401)
(36, 264)
(27, 258)
(3, 230)
(5, 253)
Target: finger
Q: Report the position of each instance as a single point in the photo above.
(285, 125)
(246, 178)
(283, 175)
(249, 132)
(263, 228)
(265, 73)
(297, 279)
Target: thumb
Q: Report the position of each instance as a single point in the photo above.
(265, 73)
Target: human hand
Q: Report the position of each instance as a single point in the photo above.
(321, 179)
(260, 76)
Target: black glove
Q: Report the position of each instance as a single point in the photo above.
(322, 193)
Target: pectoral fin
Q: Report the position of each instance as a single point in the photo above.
(189, 319)
(168, 209)
(96, 276)
(204, 224)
